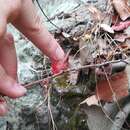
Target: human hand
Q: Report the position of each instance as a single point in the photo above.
(23, 15)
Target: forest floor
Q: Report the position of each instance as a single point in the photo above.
(93, 93)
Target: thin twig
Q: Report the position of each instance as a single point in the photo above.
(74, 69)
(54, 127)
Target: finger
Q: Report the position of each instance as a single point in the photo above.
(31, 26)
(3, 107)
(8, 85)
(8, 55)
(3, 26)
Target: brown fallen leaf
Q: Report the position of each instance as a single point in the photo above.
(122, 8)
(102, 46)
(121, 37)
(115, 19)
(97, 15)
(73, 76)
(121, 26)
(119, 85)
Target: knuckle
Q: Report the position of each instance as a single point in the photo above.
(35, 27)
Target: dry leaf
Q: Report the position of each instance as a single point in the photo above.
(121, 26)
(90, 101)
(127, 31)
(73, 76)
(86, 52)
(107, 28)
(97, 15)
(118, 88)
(102, 44)
(115, 19)
(122, 8)
(120, 37)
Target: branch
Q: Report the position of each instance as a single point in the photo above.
(73, 69)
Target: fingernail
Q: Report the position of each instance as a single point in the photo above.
(20, 89)
(59, 53)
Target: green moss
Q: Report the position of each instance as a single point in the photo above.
(62, 81)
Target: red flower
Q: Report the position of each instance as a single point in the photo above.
(59, 66)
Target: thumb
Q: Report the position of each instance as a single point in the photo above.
(3, 26)
(8, 85)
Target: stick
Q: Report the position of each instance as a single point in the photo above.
(73, 69)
